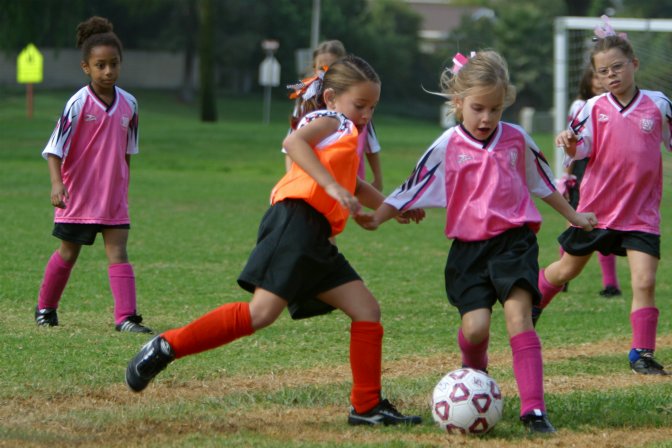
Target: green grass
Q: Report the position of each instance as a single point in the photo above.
(198, 191)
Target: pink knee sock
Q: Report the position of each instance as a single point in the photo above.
(473, 355)
(608, 265)
(56, 276)
(529, 371)
(548, 291)
(644, 322)
(122, 284)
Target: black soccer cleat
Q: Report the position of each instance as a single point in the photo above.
(132, 325)
(536, 422)
(536, 314)
(384, 413)
(46, 317)
(152, 358)
(647, 364)
(610, 291)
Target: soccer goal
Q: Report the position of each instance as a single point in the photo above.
(650, 38)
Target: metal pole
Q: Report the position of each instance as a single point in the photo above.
(315, 25)
(560, 89)
(267, 104)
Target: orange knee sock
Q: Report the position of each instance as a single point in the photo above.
(366, 351)
(218, 327)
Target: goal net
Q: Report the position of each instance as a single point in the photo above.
(650, 38)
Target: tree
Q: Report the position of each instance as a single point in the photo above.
(207, 66)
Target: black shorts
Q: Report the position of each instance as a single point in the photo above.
(294, 259)
(576, 241)
(82, 233)
(479, 273)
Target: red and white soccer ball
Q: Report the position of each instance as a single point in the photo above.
(467, 401)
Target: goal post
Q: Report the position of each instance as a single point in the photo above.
(648, 39)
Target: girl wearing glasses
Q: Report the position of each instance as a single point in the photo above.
(621, 132)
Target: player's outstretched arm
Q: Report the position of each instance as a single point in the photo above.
(587, 221)
(567, 140)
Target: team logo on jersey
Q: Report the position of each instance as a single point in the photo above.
(646, 124)
(90, 117)
(124, 121)
(602, 118)
(513, 158)
(464, 158)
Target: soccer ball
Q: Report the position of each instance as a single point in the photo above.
(467, 401)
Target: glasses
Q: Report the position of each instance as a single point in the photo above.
(614, 68)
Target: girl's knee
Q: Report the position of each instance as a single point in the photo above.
(475, 333)
(262, 318)
(368, 313)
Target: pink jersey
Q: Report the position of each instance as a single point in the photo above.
(92, 140)
(623, 182)
(485, 187)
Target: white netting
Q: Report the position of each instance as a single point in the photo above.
(651, 48)
(651, 40)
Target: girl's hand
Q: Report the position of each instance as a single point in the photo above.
(415, 215)
(587, 221)
(366, 220)
(566, 139)
(343, 197)
(59, 194)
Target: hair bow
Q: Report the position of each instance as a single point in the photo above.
(459, 61)
(605, 29)
(308, 87)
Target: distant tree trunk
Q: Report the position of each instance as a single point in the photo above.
(190, 21)
(207, 65)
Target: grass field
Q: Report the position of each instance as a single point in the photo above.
(197, 194)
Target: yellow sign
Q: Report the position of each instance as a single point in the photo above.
(29, 65)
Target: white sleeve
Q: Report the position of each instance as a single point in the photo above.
(538, 173)
(582, 126)
(59, 142)
(426, 186)
(132, 146)
(372, 144)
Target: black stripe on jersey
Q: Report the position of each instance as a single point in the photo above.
(539, 158)
(65, 124)
(416, 178)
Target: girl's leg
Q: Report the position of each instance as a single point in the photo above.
(56, 275)
(473, 337)
(218, 327)
(553, 277)
(643, 313)
(226, 324)
(526, 351)
(366, 348)
(121, 276)
(366, 341)
(609, 277)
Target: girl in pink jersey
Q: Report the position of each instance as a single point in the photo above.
(368, 147)
(89, 165)
(589, 86)
(620, 132)
(294, 266)
(484, 173)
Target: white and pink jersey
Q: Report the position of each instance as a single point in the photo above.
(485, 187)
(574, 109)
(623, 182)
(367, 143)
(92, 140)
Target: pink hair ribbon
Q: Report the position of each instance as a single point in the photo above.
(459, 61)
(605, 29)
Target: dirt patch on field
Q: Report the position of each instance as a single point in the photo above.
(310, 425)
